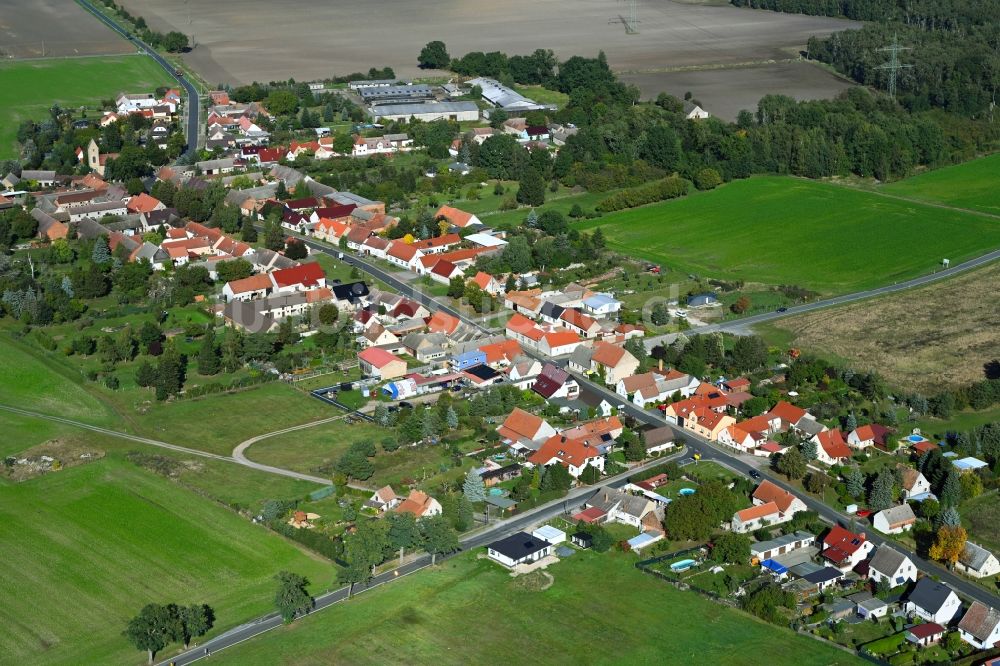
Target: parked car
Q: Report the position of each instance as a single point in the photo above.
(754, 474)
(782, 309)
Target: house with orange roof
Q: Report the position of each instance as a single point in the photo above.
(756, 517)
(330, 230)
(376, 362)
(526, 301)
(707, 423)
(831, 448)
(144, 203)
(584, 325)
(455, 217)
(487, 283)
(420, 504)
(736, 437)
(255, 286)
(867, 435)
(442, 322)
(614, 364)
(573, 454)
(500, 354)
(524, 430)
(788, 413)
(600, 433)
(786, 502)
(559, 342)
(524, 330)
(404, 255)
(437, 244)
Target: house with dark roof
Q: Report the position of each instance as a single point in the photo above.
(977, 562)
(824, 578)
(520, 548)
(895, 519)
(933, 601)
(554, 382)
(892, 566)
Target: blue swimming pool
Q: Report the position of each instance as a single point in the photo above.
(686, 491)
(683, 565)
(915, 438)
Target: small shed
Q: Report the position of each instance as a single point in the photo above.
(551, 534)
(582, 539)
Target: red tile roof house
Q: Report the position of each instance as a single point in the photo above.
(845, 549)
(299, 278)
(867, 435)
(488, 283)
(379, 363)
(573, 454)
(583, 324)
(444, 271)
(831, 448)
(925, 634)
(442, 322)
(524, 430)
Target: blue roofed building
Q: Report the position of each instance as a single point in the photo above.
(468, 359)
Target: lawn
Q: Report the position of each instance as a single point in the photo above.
(310, 449)
(543, 95)
(86, 547)
(31, 380)
(471, 611)
(29, 88)
(922, 339)
(218, 422)
(969, 185)
(780, 230)
(981, 517)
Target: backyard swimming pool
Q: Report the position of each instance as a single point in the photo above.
(686, 491)
(683, 565)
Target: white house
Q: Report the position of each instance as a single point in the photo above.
(756, 517)
(601, 305)
(915, 484)
(980, 626)
(765, 550)
(933, 601)
(574, 454)
(890, 565)
(977, 562)
(520, 548)
(895, 519)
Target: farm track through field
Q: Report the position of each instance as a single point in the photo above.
(173, 447)
(922, 202)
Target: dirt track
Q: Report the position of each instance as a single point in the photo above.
(56, 28)
(244, 40)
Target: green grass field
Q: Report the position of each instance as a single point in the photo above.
(29, 89)
(969, 185)
(29, 380)
(470, 611)
(86, 547)
(778, 230)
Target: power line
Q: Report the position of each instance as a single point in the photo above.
(631, 22)
(893, 66)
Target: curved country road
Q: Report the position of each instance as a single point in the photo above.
(193, 103)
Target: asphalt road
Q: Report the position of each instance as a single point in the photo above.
(193, 105)
(744, 323)
(488, 534)
(710, 451)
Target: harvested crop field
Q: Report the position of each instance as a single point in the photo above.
(54, 28)
(926, 339)
(239, 42)
(724, 92)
